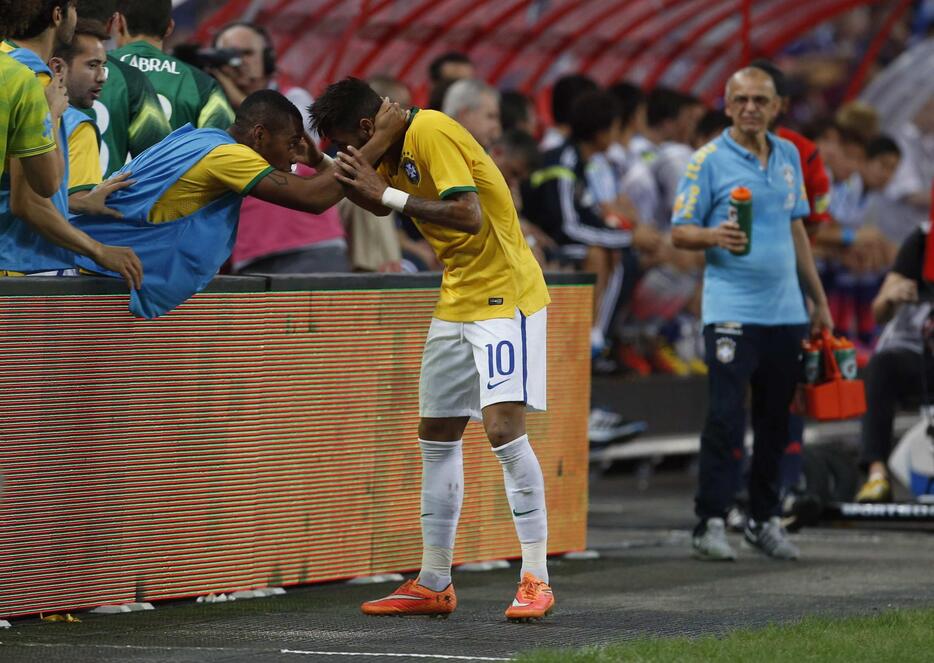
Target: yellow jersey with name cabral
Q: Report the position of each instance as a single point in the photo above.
(487, 275)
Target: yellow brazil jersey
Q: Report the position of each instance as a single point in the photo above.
(487, 275)
(84, 159)
(25, 123)
(232, 167)
(7, 46)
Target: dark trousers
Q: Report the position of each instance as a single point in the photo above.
(765, 359)
(893, 378)
(328, 259)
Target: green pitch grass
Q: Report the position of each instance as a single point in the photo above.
(905, 636)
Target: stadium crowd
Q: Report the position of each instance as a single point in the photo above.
(596, 186)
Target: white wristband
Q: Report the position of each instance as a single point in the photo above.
(325, 163)
(394, 199)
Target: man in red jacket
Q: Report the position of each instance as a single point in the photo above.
(812, 166)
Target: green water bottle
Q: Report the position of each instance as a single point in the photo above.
(812, 362)
(741, 213)
(845, 354)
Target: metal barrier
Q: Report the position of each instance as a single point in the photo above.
(263, 434)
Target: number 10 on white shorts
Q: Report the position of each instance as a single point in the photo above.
(469, 365)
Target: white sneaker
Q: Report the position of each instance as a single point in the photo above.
(736, 520)
(771, 538)
(605, 426)
(710, 542)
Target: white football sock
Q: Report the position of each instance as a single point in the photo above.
(442, 496)
(525, 489)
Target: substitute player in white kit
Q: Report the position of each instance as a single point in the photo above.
(484, 357)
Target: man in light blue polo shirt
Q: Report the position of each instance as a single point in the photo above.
(753, 312)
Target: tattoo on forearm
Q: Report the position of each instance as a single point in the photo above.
(451, 213)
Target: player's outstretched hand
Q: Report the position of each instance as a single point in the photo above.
(121, 260)
(95, 202)
(390, 120)
(355, 173)
(308, 153)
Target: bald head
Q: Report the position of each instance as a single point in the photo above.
(751, 102)
(750, 75)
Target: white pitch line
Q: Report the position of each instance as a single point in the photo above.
(446, 657)
(58, 645)
(391, 655)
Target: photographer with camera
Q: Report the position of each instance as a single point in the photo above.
(257, 68)
(186, 94)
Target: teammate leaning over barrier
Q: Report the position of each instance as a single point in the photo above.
(181, 212)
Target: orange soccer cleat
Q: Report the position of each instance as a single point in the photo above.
(413, 599)
(534, 600)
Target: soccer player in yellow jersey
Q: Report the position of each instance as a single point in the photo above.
(26, 121)
(86, 72)
(85, 75)
(27, 126)
(484, 357)
(34, 227)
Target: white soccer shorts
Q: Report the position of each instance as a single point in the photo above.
(469, 365)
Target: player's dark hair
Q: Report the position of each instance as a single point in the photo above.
(84, 26)
(343, 105)
(521, 144)
(593, 113)
(713, 122)
(513, 109)
(99, 10)
(819, 128)
(777, 75)
(663, 104)
(850, 136)
(630, 97)
(880, 145)
(16, 15)
(146, 17)
(438, 92)
(565, 92)
(42, 20)
(434, 69)
(268, 108)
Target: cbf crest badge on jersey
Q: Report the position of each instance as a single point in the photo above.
(788, 173)
(411, 170)
(726, 350)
